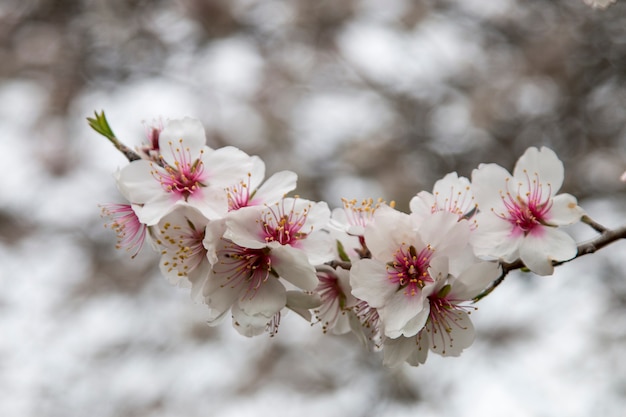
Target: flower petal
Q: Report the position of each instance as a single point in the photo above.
(268, 300)
(293, 265)
(369, 282)
(458, 336)
(188, 133)
(544, 163)
(474, 280)
(564, 210)
(243, 227)
(404, 315)
(275, 188)
(487, 183)
(538, 251)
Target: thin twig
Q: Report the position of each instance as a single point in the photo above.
(594, 225)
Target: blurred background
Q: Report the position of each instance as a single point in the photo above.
(361, 98)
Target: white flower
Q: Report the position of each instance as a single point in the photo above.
(404, 265)
(249, 193)
(451, 193)
(189, 173)
(179, 238)
(263, 250)
(448, 329)
(335, 300)
(250, 281)
(292, 223)
(519, 214)
(131, 233)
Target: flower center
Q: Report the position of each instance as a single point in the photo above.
(458, 202)
(245, 268)
(333, 300)
(185, 176)
(283, 226)
(445, 315)
(239, 196)
(409, 269)
(526, 209)
(131, 233)
(183, 245)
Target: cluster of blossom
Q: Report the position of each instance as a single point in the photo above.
(401, 282)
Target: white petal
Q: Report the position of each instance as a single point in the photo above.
(453, 193)
(544, 163)
(211, 202)
(474, 280)
(422, 205)
(539, 250)
(564, 210)
(218, 297)
(189, 130)
(213, 238)
(257, 172)
(293, 265)
(151, 213)
(318, 213)
(249, 325)
(420, 353)
(275, 188)
(396, 351)
(268, 300)
(318, 246)
(445, 233)
(227, 166)
(401, 314)
(451, 343)
(370, 282)
(494, 238)
(243, 227)
(136, 182)
(388, 231)
(487, 183)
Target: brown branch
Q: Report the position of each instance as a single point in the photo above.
(339, 264)
(594, 225)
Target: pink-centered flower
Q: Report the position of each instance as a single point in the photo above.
(188, 173)
(264, 250)
(251, 282)
(519, 214)
(448, 329)
(335, 300)
(292, 223)
(131, 233)
(406, 261)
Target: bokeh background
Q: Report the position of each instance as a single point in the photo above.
(362, 98)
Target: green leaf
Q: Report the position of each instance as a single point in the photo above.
(101, 125)
(342, 252)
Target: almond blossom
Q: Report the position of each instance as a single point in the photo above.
(451, 193)
(336, 300)
(264, 250)
(406, 259)
(179, 237)
(519, 214)
(188, 173)
(131, 233)
(448, 329)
